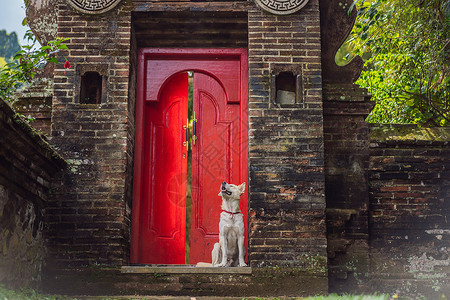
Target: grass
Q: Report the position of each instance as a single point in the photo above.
(350, 297)
(29, 294)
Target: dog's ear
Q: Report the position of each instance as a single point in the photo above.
(242, 188)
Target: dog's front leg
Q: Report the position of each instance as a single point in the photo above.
(241, 246)
(224, 245)
(241, 251)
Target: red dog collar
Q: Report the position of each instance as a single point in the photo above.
(231, 213)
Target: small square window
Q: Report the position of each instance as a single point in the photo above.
(91, 88)
(286, 85)
(91, 84)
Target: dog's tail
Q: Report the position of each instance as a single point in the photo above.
(216, 255)
(204, 265)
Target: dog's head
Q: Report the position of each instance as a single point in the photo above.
(231, 191)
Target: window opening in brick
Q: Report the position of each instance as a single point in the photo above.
(91, 88)
(285, 85)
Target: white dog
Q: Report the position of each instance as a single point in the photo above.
(230, 250)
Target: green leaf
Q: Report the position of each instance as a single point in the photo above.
(410, 103)
(22, 69)
(350, 9)
(404, 47)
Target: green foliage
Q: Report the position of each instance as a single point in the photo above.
(350, 297)
(405, 44)
(344, 54)
(26, 62)
(2, 61)
(9, 44)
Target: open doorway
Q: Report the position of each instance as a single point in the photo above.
(191, 135)
(189, 165)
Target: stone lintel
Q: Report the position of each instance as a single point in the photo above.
(190, 6)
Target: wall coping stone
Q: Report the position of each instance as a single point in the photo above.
(345, 92)
(41, 88)
(408, 133)
(19, 124)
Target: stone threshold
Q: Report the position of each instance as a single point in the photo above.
(184, 269)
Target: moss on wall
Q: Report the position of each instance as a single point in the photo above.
(408, 133)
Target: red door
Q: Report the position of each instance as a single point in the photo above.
(219, 153)
(215, 158)
(163, 205)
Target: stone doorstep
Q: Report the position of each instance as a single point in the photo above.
(184, 269)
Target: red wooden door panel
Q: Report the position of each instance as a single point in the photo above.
(216, 157)
(163, 207)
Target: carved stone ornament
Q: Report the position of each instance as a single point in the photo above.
(93, 6)
(281, 7)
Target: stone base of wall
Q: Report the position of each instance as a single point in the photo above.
(411, 269)
(22, 251)
(262, 282)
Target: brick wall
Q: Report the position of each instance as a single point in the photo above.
(287, 204)
(27, 165)
(387, 193)
(385, 202)
(346, 184)
(409, 209)
(88, 218)
(201, 27)
(35, 102)
(38, 109)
